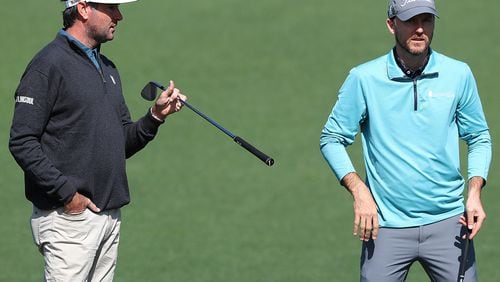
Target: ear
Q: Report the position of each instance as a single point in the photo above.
(390, 25)
(83, 10)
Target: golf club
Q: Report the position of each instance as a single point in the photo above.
(465, 254)
(149, 93)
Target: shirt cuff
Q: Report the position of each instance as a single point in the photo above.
(155, 117)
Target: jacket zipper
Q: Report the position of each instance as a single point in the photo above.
(415, 80)
(415, 95)
(100, 70)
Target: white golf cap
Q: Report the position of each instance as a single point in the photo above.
(71, 3)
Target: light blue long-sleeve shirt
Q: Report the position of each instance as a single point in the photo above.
(410, 131)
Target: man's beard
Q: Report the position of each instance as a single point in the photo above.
(97, 36)
(413, 51)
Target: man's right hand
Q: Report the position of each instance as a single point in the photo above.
(78, 204)
(365, 208)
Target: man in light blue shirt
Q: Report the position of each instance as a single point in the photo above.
(411, 106)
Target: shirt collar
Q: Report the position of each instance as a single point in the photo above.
(394, 71)
(92, 54)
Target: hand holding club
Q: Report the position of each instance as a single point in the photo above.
(475, 214)
(168, 102)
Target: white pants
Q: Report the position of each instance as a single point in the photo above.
(82, 247)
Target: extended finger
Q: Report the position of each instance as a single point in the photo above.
(368, 229)
(375, 228)
(356, 226)
(363, 232)
(470, 219)
(92, 206)
(477, 226)
(171, 87)
(462, 220)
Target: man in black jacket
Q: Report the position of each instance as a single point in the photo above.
(71, 134)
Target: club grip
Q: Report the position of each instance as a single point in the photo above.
(465, 254)
(263, 157)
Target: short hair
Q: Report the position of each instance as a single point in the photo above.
(71, 14)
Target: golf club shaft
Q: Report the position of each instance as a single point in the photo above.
(256, 152)
(240, 141)
(213, 122)
(463, 261)
(207, 118)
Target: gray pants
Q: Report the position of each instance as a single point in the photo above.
(81, 247)
(438, 247)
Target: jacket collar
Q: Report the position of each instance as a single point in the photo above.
(92, 54)
(394, 72)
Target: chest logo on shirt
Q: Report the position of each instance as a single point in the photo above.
(440, 94)
(112, 79)
(24, 99)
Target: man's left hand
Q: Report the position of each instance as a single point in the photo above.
(475, 214)
(168, 102)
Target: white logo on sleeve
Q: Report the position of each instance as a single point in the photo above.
(112, 79)
(24, 99)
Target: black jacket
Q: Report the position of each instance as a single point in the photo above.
(72, 131)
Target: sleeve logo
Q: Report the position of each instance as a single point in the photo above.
(24, 99)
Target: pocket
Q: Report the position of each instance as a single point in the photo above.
(41, 222)
(73, 227)
(83, 215)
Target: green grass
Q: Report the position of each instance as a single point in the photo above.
(203, 209)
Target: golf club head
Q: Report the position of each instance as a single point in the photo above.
(149, 91)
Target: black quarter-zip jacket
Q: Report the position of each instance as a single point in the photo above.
(72, 130)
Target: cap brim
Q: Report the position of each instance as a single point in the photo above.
(406, 15)
(71, 3)
(111, 1)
